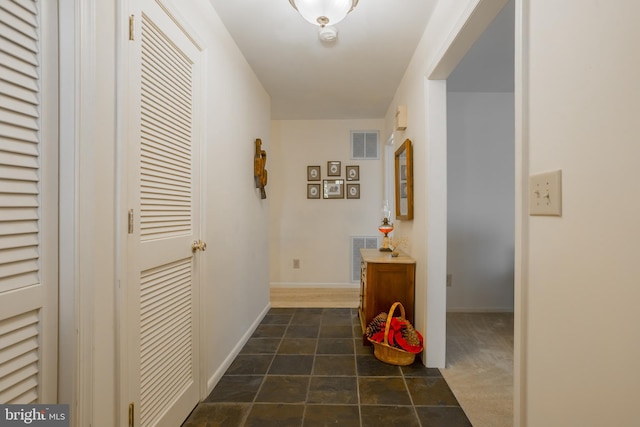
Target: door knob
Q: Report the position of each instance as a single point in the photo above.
(198, 245)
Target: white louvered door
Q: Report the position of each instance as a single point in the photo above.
(164, 202)
(28, 204)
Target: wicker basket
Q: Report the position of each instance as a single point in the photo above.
(386, 353)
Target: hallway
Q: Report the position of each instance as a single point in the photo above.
(307, 367)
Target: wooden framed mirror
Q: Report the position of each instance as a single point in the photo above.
(404, 181)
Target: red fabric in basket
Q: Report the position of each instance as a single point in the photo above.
(395, 338)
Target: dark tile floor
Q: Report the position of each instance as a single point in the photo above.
(307, 367)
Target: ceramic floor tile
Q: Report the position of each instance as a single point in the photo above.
(335, 346)
(250, 365)
(430, 391)
(326, 415)
(261, 346)
(279, 415)
(334, 365)
(383, 391)
(417, 369)
(308, 368)
(284, 389)
(287, 364)
(306, 318)
(218, 415)
(336, 331)
(269, 331)
(363, 349)
(282, 310)
(276, 319)
(302, 331)
(380, 416)
(445, 416)
(369, 366)
(332, 318)
(337, 390)
(298, 346)
(242, 388)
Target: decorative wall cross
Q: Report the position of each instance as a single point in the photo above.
(259, 171)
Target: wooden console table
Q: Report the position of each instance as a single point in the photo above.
(384, 280)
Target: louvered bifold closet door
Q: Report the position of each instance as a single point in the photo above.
(22, 285)
(167, 202)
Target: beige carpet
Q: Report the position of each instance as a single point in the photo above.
(480, 366)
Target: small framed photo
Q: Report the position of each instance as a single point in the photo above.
(353, 191)
(313, 191)
(353, 173)
(313, 173)
(333, 189)
(333, 168)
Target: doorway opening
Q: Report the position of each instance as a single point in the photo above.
(481, 224)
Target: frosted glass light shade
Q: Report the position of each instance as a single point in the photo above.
(324, 12)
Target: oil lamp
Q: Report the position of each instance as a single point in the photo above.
(386, 227)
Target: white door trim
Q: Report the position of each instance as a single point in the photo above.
(521, 267)
(76, 22)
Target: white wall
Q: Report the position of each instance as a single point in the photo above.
(235, 290)
(318, 231)
(582, 287)
(480, 212)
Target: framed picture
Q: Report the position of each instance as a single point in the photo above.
(353, 173)
(353, 191)
(333, 189)
(313, 173)
(313, 191)
(333, 168)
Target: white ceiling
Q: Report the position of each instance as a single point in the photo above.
(355, 77)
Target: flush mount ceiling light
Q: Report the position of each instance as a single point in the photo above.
(324, 12)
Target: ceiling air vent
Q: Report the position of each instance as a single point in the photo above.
(364, 145)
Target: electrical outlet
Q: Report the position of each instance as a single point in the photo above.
(296, 263)
(449, 280)
(545, 194)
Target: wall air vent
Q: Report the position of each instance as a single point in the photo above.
(357, 243)
(364, 145)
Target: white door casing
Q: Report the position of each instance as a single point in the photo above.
(28, 202)
(163, 199)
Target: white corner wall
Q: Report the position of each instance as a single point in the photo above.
(582, 287)
(480, 190)
(318, 231)
(426, 107)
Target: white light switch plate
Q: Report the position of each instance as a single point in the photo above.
(545, 193)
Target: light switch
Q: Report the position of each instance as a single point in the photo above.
(545, 193)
